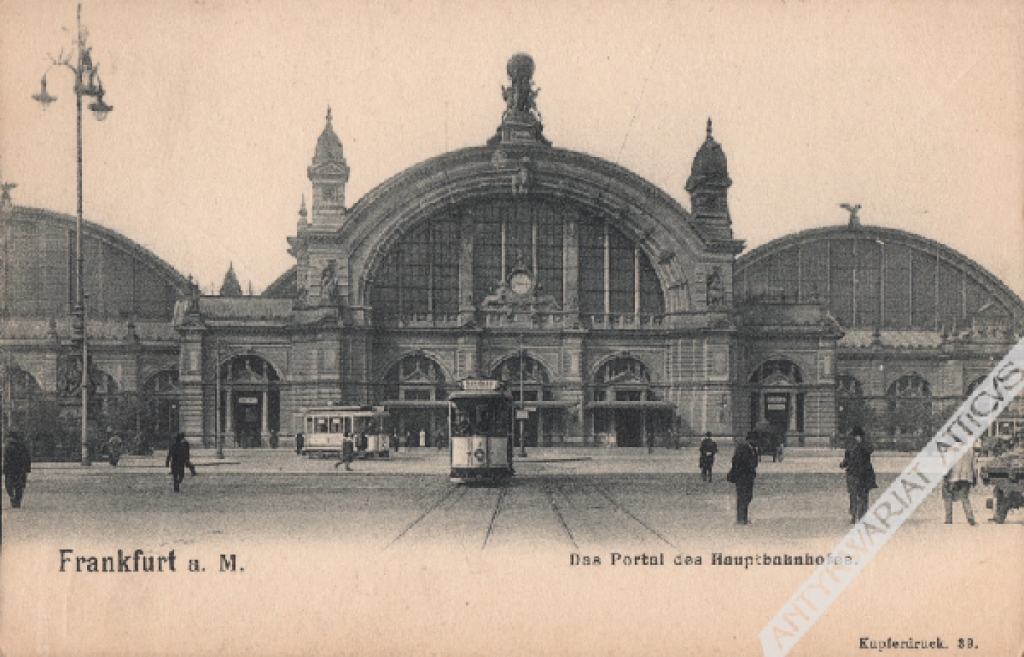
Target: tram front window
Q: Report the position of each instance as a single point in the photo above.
(480, 417)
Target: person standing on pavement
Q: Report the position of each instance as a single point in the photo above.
(708, 449)
(957, 484)
(347, 452)
(178, 458)
(860, 475)
(742, 474)
(114, 447)
(300, 441)
(17, 465)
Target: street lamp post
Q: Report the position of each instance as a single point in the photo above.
(522, 402)
(87, 83)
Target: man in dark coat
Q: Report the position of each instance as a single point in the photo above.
(743, 472)
(178, 459)
(708, 449)
(300, 442)
(860, 475)
(17, 465)
(347, 452)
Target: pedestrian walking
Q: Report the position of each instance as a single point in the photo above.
(347, 452)
(860, 475)
(300, 441)
(742, 474)
(17, 465)
(114, 448)
(957, 484)
(708, 449)
(179, 458)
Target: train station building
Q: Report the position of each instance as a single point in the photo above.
(620, 314)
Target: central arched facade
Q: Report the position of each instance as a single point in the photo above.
(521, 253)
(576, 207)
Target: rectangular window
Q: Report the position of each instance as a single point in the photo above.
(591, 235)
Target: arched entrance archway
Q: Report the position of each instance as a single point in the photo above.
(31, 412)
(415, 394)
(250, 404)
(851, 406)
(528, 381)
(625, 405)
(777, 397)
(910, 408)
(161, 396)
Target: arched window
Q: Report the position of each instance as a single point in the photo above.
(31, 412)
(910, 408)
(418, 278)
(623, 379)
(851, 407)
(414, 392)
(414, 378)
(774, 372)
(527, 379)
(160, 398)
(532, 374)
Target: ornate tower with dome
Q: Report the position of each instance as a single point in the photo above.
(708, 186)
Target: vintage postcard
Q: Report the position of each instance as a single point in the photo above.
(539, 328)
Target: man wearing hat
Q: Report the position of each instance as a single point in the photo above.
(17, 465)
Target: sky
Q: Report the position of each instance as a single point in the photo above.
(911, 109)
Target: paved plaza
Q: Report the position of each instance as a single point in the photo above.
(572, 499)
(447, 569)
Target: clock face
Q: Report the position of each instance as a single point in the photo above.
(521, 282)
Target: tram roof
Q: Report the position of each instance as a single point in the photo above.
(348, 410)
(479, 394)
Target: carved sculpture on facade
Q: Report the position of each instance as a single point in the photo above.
(715, 289)
(329, 283)
(520, 122)
(521, 178)
(520, 96)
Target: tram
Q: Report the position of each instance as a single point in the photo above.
(481, 430)
(328, 427)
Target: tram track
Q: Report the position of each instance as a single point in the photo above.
(494, 516)
(433, 507)
(623, 510)
(558, 514)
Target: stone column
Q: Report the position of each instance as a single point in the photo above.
(190, 368)
(571, 266)
(264, 416)
(467, 238)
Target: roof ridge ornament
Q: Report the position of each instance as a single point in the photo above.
(521, 122)
(852, 209)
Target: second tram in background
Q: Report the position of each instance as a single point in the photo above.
(481, 430)
(328, 427)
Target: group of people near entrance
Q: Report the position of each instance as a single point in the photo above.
(860, 475)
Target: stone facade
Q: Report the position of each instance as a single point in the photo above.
(615, 314)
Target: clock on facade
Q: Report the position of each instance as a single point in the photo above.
(521, 282)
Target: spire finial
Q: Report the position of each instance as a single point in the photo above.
(302, 209)
(709, 127)
(328, 115)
